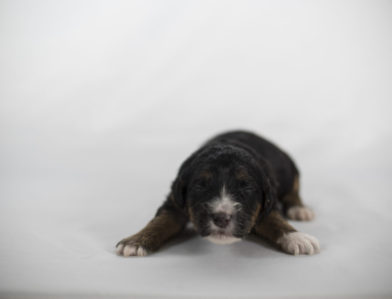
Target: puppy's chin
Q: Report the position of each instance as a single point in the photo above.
(222, 239)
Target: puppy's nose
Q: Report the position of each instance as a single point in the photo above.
(221, 220)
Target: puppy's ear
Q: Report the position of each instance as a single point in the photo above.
(268, 186)
(178, 191)
(180, 184)
(269, 196)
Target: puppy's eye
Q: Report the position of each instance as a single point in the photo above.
(201, 185)
(245, 185)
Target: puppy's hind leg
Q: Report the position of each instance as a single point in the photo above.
(275, 229)
(293, 206)
(166, 224)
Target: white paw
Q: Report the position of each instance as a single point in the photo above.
(131, 250)
(300, 213)
(299, 243)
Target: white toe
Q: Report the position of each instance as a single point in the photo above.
(299, 243)
(129, 250)
(300, 213)
(141, 251)
(119, 248)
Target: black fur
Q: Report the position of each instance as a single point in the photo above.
(255, 171)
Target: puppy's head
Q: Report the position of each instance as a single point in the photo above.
(223, 189)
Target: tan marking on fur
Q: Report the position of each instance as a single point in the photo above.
(255, 214)
(292, 198)
(241, 174)
(296, 184)
(206, 174)
(273, 227)
(293, 207)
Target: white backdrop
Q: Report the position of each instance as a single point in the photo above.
(100, 102)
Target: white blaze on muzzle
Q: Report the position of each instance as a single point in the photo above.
(224, 204)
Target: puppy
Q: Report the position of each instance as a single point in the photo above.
(236, 184)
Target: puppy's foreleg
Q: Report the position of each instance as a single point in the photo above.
(278, 231)
(166, 224)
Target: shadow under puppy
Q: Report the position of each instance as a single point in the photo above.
(236, 184)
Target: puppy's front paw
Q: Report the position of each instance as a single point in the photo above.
(299, 243)
(300, 213)
(131, 247)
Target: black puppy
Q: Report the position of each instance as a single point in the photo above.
(236, 184)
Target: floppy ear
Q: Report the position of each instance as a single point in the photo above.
(178, 190)
(269, 195)
(268, 185)
(180, 184)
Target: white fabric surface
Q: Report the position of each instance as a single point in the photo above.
(102, 101)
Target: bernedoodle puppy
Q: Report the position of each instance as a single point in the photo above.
(236, 184)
